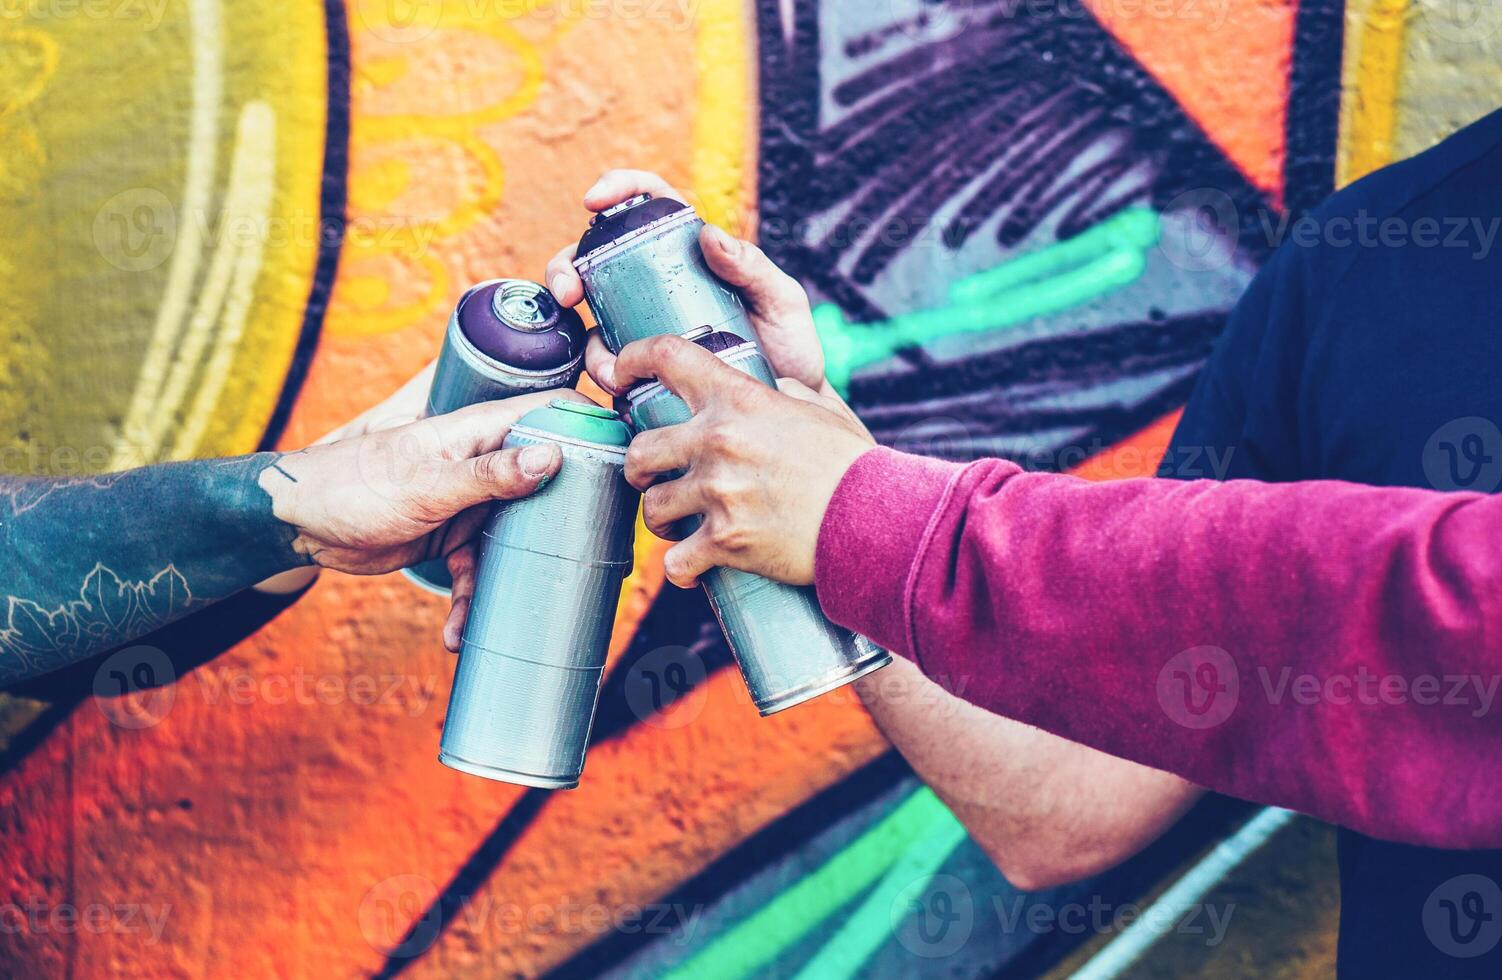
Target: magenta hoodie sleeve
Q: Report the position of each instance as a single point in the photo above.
(1326, 647)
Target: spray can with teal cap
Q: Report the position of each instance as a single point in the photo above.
(506, 337)
(549, 579)
(645, 274)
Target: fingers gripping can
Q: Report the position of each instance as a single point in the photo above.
(645, 274)
(506, 337)
(550, 573)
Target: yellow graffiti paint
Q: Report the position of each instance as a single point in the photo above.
(725, 113)
(1415, 71)
(1373, 75)
(118, 141)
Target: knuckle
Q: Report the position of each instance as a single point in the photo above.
(719, 436)
(726, 537)
(496, 468)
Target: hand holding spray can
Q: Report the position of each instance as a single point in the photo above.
(506, 337)
(550, 572)
(645, 274)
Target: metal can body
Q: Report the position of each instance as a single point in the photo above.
(506, 337)
(548, 583)
(652, 279)
(788, 652)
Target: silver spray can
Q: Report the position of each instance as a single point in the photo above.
(506, 337)
(549, 580)
(645, 274)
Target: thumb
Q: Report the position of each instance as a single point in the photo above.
(508, 474)
(830, 401)
(746, 267)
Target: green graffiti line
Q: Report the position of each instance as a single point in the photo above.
(1108, 257)
(757, 940)
(895, 897)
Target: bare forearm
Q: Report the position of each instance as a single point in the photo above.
(1046, 810)
(93, 563)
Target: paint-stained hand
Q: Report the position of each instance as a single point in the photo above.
(778, 305)
(761, 466)
(394, 497)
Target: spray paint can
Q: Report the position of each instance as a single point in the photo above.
(506, 337)
(549, 579)
(645, 274)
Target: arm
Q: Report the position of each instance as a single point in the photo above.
(1182, 625)
(1046, 810)
(1257, 639)
(95, 563)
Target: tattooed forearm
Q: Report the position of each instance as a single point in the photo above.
(94, 563)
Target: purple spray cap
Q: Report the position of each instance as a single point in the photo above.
(519, 324)
(610, 226)
(717, 342)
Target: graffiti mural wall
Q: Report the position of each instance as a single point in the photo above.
(231, 225)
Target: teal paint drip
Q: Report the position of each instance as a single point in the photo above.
(1062, 276)
(756, 941)
(869, 927)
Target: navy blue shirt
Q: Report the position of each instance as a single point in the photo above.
(1369, 349)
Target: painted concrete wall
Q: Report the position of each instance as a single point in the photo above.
(231, 224)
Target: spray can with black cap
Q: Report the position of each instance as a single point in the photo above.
(645, 274)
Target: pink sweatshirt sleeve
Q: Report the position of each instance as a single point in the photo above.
(1326, 647)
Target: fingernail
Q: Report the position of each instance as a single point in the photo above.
(727, 242)
(607, 378)
(559, 286)
(594, 191)
(536, 461)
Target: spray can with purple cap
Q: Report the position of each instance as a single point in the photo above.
(506, 337)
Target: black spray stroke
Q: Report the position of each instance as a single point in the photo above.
(982, 128)
(332, 219)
